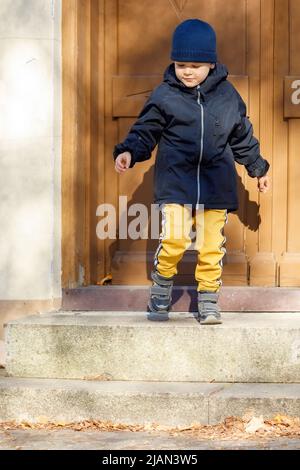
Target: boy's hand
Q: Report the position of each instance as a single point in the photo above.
(263, 184)
(122, 162)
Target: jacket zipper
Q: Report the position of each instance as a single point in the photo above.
(201, 146)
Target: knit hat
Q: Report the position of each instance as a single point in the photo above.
(194, 41)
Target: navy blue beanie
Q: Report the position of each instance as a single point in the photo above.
(194, 41)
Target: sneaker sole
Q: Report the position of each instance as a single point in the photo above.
(210, 320)
(154, 316)
(157, 316)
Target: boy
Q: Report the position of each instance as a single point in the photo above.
(199, 120)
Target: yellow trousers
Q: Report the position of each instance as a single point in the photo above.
(200, 230)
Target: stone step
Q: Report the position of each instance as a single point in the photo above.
(165, 403)
(247, 347)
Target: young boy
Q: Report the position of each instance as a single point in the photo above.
(200, 122)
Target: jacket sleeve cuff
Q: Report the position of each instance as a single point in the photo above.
(258, 168)
(120, 148)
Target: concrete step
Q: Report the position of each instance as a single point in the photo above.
(166, 403)
(247, 347)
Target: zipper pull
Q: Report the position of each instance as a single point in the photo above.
(198, 90)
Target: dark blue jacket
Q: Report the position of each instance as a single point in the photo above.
(201, 132)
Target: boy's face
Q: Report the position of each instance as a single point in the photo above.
(192, 73)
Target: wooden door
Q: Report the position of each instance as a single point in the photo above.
(139, 38)
(122, 49)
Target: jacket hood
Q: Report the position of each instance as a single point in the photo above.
(216, 75)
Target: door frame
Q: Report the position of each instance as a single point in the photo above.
(82, 140)
(84, 128)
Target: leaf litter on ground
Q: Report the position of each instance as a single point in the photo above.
(247, 427)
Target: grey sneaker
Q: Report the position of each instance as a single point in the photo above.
(208, 310)
(160, 297)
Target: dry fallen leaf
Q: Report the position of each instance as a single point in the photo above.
(100, 377)
(282, 419)
(255, 424)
